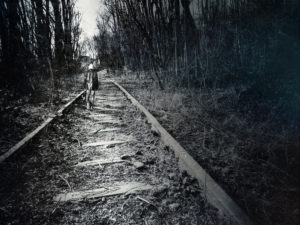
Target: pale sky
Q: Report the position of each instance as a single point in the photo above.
(89, 10)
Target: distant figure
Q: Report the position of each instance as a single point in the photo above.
(92, 85)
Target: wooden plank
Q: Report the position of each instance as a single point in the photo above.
(66, 106)
(136, 164)
(110, 190)
(104, 130)
(100, 162)
(111, 105)
(106, 109)
(104, 117)
(104, 143)
(98, 115)
(110, 99)
(108, 122)
(21, 144)
(214, 193)
(109, 130)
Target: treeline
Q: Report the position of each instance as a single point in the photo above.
(250, 45)
(39, 38)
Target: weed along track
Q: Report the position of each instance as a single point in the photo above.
(113, 164)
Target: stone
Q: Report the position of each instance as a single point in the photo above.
(138, 153)
(138, 165)
(174, 207)
(111, 190)
(172, 176)
(125, 157)
(160, 190)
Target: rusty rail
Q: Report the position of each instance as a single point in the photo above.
(21, 144)
(214, 193)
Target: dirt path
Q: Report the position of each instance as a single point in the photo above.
(100, 166)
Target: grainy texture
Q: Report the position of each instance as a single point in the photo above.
(247, 158)
(31, 181)
(215, 194)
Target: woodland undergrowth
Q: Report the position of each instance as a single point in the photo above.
(21, 112)
(254, 158)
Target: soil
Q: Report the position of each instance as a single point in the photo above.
(256, 162)
(31, 180)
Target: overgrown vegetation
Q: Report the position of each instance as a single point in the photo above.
(252, 46)
(229, 82)
(226, 75)
(20, 114)
(256, 162)
(39, 48)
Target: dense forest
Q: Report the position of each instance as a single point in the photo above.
(251, 46)
(39, 40)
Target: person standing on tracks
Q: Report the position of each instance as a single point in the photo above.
(92, 85)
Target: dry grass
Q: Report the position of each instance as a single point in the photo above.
(256, 162)
(48, 169)
(20, 114)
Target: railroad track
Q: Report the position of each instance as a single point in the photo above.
(107, 166)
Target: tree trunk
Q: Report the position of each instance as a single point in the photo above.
(59, 35)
